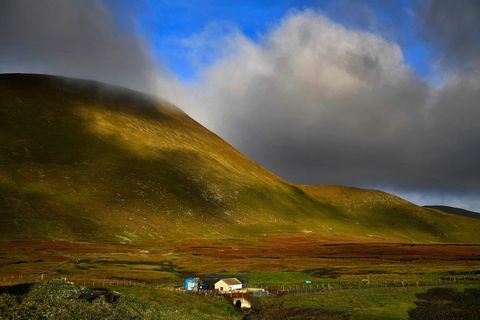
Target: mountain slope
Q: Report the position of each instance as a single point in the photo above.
(81, 160)
(454, 210)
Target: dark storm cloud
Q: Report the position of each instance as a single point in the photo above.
(73, 38)
(318, 103)
(453, 28)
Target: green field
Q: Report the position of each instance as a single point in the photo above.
(358, 304)
(150, 277)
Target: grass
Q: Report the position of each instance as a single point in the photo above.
(358, 304)
(272, 279)
(181, 306)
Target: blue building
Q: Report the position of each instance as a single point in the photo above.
(190, 284)
(204, 286)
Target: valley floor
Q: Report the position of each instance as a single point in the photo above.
(151, 271)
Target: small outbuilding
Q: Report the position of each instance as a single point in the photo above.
(228, 284)
(190, 284)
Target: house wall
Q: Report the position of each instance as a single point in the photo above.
(222, 286)
(236, 287)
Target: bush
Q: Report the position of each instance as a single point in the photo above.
(8, 303)
(60, 301)
(447, 304)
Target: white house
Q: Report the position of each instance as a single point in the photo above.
(229, 284)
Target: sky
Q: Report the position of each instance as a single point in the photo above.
(170, 24)
(377, 94)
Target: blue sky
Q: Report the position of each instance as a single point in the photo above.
(167, 23)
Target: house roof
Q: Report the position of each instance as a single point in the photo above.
(230, 281)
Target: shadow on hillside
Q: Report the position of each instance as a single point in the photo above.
(447, 303)
(17, 290)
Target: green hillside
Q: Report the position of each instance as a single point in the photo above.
(454, 210)
(80, 160)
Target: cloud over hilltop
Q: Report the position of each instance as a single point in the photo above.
(75, 38)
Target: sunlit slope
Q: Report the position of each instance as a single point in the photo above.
(454, 210)
(82, 160)
(388, 216)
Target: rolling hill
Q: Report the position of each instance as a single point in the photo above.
(454, 210)
(81, 160)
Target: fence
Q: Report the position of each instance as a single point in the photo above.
(87, 282)
(274, 290)
(350, 285)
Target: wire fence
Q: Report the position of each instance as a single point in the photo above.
(351, 285)
(276, 289)
(83, 281)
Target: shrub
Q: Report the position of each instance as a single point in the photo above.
(60, 301)
(446, 303)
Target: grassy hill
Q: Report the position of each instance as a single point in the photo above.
(454, 210)
(80, 160)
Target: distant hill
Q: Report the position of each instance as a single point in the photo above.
(81, 160)
(454, 210)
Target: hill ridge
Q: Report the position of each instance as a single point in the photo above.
(455, 210)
